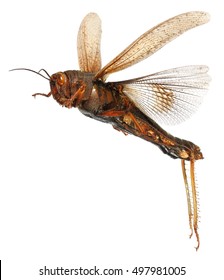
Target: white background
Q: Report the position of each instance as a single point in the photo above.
(73, 191)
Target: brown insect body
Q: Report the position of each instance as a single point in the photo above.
(135, 106)
(107, 103)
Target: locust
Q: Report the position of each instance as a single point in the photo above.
(139, 106)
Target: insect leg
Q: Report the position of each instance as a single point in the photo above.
(111, 113)
(127, 117)
(42, 94)
(195, 201)
(76, 96)
(130, 118)
(189, 203)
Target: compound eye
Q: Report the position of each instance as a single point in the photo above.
(59, 78)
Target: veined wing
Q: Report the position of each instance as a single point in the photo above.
(152, 41)
(88, 43)
(171, 96)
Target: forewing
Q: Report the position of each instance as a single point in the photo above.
(153, 40)
(171, 96)
(88, 43)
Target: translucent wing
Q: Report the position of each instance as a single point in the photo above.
(171, 96)
(88, 43)
(153, 40)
